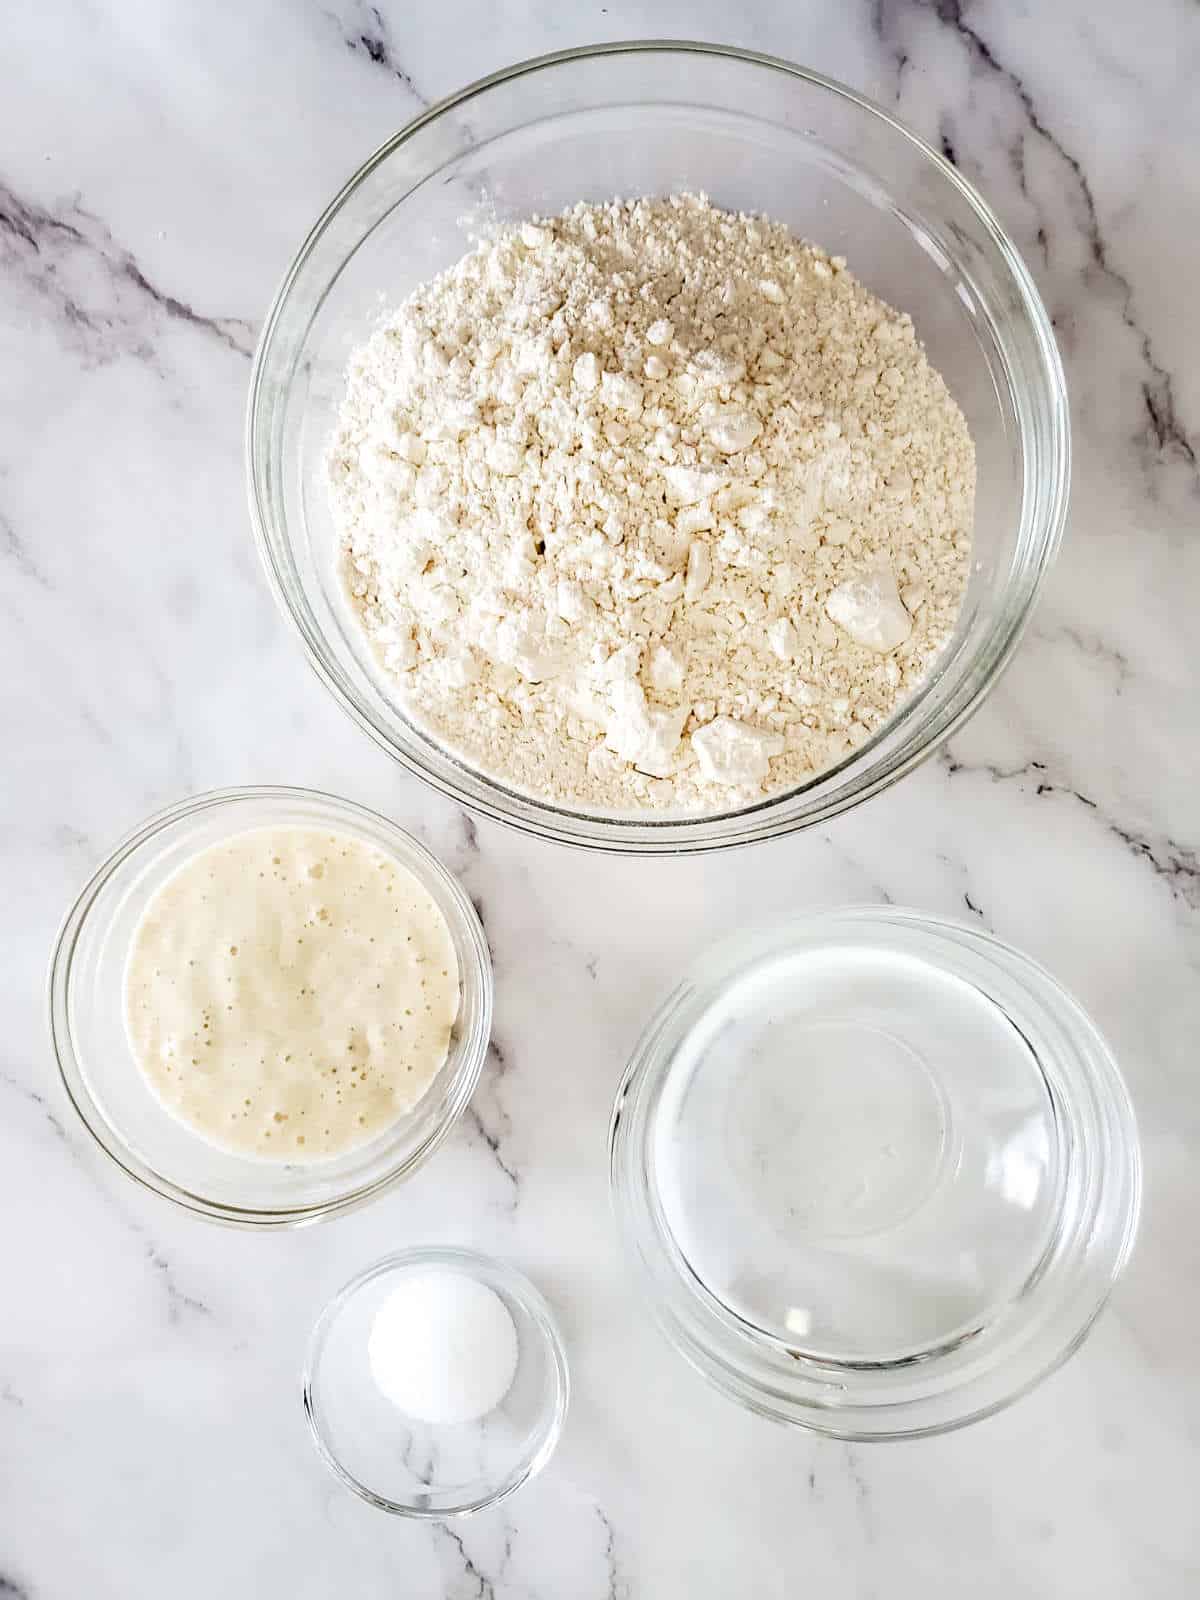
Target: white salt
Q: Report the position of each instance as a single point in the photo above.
(443, 1347)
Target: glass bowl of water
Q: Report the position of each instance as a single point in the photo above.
(879, 1171)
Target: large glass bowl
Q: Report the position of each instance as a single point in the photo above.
(877, 1171)
(755, 134)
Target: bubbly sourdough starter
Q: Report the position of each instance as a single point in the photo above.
(290, 992)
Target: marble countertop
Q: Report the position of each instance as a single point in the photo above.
(158, 166)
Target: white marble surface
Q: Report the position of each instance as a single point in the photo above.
(158, 164)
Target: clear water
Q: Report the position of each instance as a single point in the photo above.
(856, 1153)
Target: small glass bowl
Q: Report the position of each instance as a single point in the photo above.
(757, 134)
(878, 1170)
(418, 1469)
(111, 1094)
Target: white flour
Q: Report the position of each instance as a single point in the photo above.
(651, 505)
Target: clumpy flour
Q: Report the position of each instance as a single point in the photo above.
(651, 505)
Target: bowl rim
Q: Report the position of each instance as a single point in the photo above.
(817, 1394)
(109, 1138)
(647, 834)
(482, 1267)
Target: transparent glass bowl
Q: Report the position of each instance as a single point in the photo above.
(418, 1469)
(756, 134)
(107, 1087)
(879, 1171)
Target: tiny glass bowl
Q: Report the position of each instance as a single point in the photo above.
(878, 1170)
(422, 1469)
(657, 117)
(111, 1093)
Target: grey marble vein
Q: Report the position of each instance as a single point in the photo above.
(619, 1587)
(968, 901)
(863, 1503)
(1176, 864)
(869, 885)
(1090, 643)
(177, 1301)
(17, 556)
(36, 1098)
(1164, 428)
(470, 832)
(492, 1141)
(367, 33)
(467, 1581)
(50, 251)
(481, 912)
